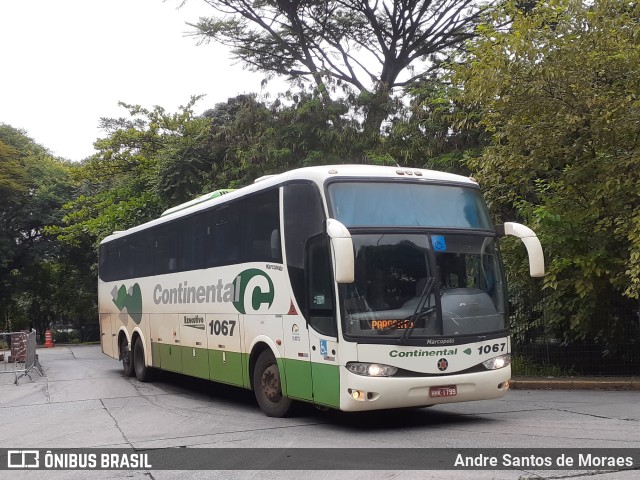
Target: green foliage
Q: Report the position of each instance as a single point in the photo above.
(66, 337)
(153, 159)
(119, 187)
(13, 179)
(524, 366)
(432, 132)
(34, 267)
(558, 92)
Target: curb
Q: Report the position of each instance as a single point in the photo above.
(575, 383)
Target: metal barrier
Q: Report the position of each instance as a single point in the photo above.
(18, 354)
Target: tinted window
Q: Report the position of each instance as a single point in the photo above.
(247, 230)
(192, 242)
(303, 219)
(141, 248)
(223, 246)
(260, 228)
(166, 249)
(407, 205)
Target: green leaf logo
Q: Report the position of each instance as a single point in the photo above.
(130, 300)
(467, 351)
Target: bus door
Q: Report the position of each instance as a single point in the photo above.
(323, 330)
(311, 374)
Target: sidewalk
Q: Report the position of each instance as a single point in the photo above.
(575, 383)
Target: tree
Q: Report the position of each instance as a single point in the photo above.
(250, 138)
(364, 49)
(558, 92)
(435, 131)
(118, 187)
(34, 186)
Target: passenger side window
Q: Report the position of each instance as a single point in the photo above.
(260, 228)
(223, 237)
(166, 251)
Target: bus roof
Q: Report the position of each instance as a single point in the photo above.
(316, 174)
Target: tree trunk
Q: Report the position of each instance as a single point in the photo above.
(376, 112)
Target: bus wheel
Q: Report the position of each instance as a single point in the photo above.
(267, 386)
(143, 373)
(127, 358)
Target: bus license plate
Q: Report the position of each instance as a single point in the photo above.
(445, 391)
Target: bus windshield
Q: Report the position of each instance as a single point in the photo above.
(424, 285)
(363, 204)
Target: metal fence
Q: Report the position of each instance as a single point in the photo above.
(18, 354)
(539, 351)
(552, 357)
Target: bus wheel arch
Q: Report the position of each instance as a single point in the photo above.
(257, 349)
(125, 354)
(266, 382)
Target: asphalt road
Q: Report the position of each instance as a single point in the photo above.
(85, 401)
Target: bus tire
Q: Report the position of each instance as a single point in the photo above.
(268, 388)
(127, 358)
(143, 373)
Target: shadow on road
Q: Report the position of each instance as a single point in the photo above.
(373, 421)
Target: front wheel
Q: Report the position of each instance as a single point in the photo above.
(267, 386)
(143, 373)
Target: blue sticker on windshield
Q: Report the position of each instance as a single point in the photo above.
(439, 243)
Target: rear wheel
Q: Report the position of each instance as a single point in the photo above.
(127, 358)
(268, 388)
(143, 373)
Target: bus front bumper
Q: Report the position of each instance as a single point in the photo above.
(360, 393)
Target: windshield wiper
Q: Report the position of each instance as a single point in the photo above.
(420, 309)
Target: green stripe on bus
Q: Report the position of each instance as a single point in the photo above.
(170, 357)
(301, 380)
(195, 362)
(298, 379)
(155, 354)
(283, 377)
(246, 374)
(326, 384)
(226, 367)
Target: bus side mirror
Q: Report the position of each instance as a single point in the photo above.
(531, 242)
(342, 247)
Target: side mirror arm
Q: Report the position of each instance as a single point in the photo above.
(531, 242)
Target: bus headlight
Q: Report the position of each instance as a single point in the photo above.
(371, 369)
(497, 362)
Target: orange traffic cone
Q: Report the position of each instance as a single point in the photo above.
(48, 339)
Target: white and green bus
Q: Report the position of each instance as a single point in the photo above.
(351, 287)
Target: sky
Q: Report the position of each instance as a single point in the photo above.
(67, 63)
